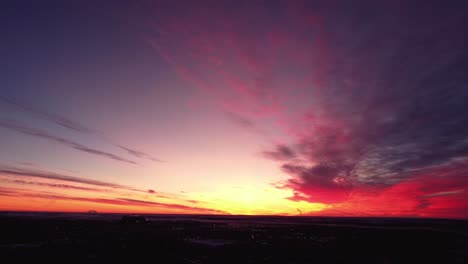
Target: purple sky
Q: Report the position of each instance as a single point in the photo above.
(265, 107)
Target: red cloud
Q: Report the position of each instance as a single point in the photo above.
(431, 194)
(370, 122)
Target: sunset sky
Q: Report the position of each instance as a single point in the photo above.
(335, 108)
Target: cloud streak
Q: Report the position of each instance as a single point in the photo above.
(112, 201)
(63, 141)
(16, 172)
(57, 119)
(71, 125)
(139, 154)
(22, 177)
(446, 193)
(53, 185)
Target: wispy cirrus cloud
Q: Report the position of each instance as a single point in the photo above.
(71, 125)
(446, 193)
(18, 183)
(15, 126)
(53, 185)
(54, 118)
(139, 154)
(18, 172)
(243, 83)
(36, 177)
(111, 201)
(172, 206)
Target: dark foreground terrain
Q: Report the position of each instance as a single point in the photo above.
(98, 238)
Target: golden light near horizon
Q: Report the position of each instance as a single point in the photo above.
(255, 200)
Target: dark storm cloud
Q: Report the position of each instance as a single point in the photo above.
(70, 124)
(66, 142)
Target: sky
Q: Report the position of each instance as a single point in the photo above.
(327, 108)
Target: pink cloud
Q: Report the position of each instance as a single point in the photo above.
(363, 105)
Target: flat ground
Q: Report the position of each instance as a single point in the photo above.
(82, 238)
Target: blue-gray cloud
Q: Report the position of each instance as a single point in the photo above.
(390, 102)
(71, 125)
(15, 126)
(16, 173)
